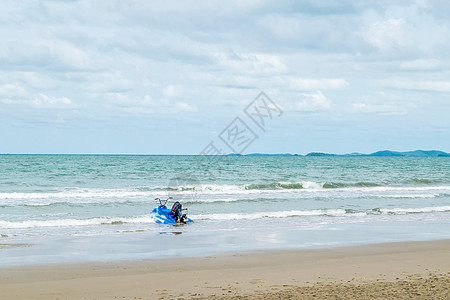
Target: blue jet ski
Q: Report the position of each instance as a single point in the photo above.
(162, 214)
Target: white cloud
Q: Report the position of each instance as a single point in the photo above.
(12, 91)
(318, 84)
(312, 102)
(44, 101)
(387, 35)
(147, 105)
(32, 80)
(125, 100)
(305, 30)
(381, 109)
(253, 63)
(44, 53)
(421, 65)
(102, 82)
(181, 106)
(173, 91)
(435, 86)
(15, 94)
(413, 29)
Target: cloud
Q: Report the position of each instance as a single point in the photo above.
(172, 91)
(125, 100)
(314, 84)
(253, 63)
(311, 102)
(10, 91)
(44, 101)
(421, 65)
(434, 86)
(43, 53)
(305, 29)
(388, 35)
(15, 94)
(413, 29)
(181, 106)
(147, 105)
(381, 109)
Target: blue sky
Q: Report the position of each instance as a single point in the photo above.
(167, 77)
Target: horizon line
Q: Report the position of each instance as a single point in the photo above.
(227, 154)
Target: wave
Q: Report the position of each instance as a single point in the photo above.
(82, 204)
(403, 188)
(409, 196)
(307, 185)
(321, 212)
(148, 218)
(404, 211)
(279, 214)
(49, 204)
(279, 185)
(92, 193)
(75, 222)
(423, 181)
(346, 213)
(336, 185)
(159, 190)
(195, 192)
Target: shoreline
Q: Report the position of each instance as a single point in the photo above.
(233, 274)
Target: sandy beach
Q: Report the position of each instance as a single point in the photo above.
(406, 270)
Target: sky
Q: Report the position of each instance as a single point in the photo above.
(177, 77)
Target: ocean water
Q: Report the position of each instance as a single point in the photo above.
(97, 207)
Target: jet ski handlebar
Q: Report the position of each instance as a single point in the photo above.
(163, 202)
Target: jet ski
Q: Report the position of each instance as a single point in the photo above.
(164, 215)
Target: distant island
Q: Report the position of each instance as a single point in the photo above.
(416, 153)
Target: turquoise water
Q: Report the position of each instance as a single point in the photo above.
(92, 204)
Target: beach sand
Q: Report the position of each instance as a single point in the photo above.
(14, 245)
(406, 270)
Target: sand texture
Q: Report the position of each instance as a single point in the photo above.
(411, 270)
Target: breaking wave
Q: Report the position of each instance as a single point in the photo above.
(75, 222)
(143, 219)
(404, 211)
(279, 214)
(215, 193)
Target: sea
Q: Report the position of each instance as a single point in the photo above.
(72, 208)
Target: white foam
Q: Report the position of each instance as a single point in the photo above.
(73, 222)
(278, 214)
(156, 191)
(225, 216)
(398, 188)
(403, 211)
(221, 191)
(113, 193)
(408, 196)
(312, 185)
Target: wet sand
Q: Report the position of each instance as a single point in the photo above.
(410, 270)
(14, 245)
